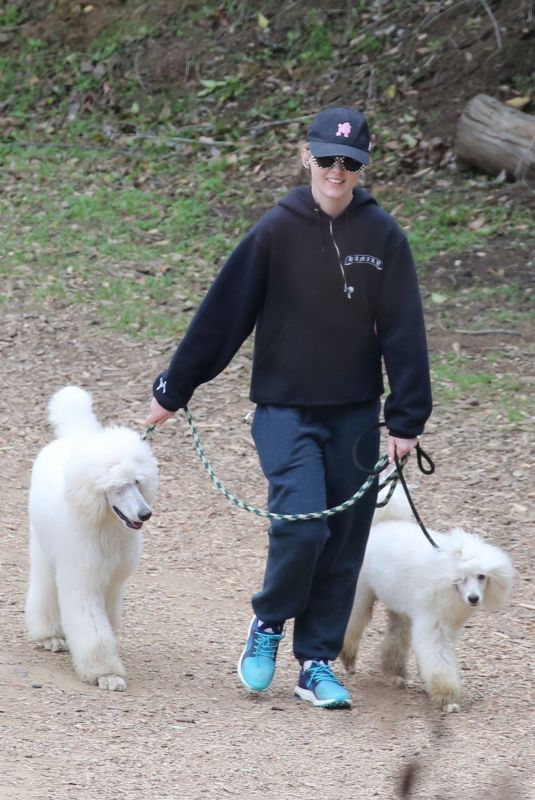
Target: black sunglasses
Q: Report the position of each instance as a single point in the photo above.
(347, 163)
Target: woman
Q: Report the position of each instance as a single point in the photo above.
(327, 279)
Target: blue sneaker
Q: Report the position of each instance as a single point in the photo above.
(257, 663)
(319, 685)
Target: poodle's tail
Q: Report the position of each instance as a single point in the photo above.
(70, 412)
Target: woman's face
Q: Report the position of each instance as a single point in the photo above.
(332, 188)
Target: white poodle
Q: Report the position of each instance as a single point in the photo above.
(89, 497)
(429, 595)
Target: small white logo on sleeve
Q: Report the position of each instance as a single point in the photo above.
(162, 386)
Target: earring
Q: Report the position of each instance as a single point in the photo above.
(306, 164)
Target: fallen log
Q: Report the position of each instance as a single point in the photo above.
(494, 137)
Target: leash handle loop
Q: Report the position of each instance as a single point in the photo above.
(422, 457)
(367, 470)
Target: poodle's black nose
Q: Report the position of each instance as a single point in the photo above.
(145, 516)
(473, 599)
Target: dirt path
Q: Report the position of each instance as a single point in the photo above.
(185, 728)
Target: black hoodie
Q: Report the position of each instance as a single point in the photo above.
(329, 298)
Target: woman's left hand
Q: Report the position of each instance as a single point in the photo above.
(399, 447)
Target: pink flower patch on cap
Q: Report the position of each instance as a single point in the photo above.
(344, 129)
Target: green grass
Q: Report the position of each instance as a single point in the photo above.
(137, 226)
(143, 253)
(11, 15)
(505, 306)
(140, 224)
(310, 43)
(454, 378)
(133, 231)
(508, 306)
(440, 222)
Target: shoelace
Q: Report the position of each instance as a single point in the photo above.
(322, 672)
(266, 644)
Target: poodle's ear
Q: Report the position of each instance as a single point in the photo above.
(82, 493)
(89, 504)
(499, 587)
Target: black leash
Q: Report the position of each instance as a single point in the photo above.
(422, 459)
(421, 455)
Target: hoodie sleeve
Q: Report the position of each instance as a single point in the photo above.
(401, 329)
(225, 318)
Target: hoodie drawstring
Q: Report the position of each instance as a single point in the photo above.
(348, 290)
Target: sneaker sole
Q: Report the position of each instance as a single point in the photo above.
(310, 697)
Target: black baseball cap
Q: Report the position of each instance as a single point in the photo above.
(340, 132)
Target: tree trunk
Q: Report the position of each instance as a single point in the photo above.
(494, 137)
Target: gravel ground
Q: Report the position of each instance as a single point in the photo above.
(186, 728)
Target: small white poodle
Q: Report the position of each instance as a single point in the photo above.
(429, 595)
(89, 497)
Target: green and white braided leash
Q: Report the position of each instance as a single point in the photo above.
(261, 512)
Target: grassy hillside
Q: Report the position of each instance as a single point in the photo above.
(139, 140)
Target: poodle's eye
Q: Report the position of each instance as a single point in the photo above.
(481, 577)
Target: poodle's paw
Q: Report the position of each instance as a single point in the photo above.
(56, 644)
(348, 660)
(445, 693)
(113, 683)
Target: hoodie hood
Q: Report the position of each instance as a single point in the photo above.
(301, 201)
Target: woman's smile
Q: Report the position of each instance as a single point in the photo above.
(333, 188)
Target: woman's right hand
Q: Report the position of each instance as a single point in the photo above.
(157, 413)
